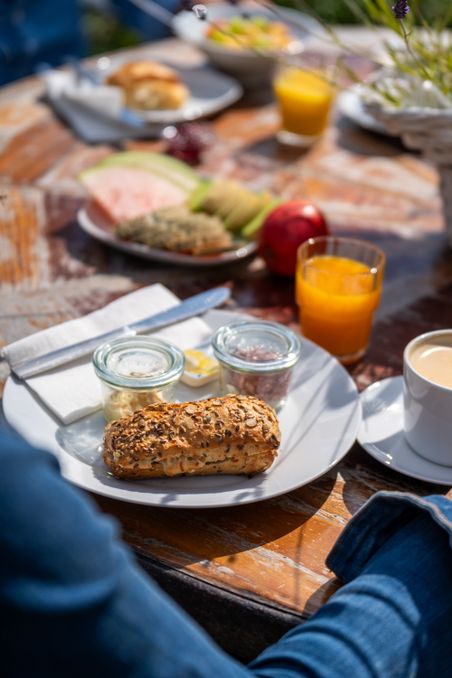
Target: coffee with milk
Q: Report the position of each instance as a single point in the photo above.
(432, 359)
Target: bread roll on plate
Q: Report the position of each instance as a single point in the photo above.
(233, 434)
(149, 85)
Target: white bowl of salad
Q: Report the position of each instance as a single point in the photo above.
(244, 42)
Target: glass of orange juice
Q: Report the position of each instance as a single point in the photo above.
(304, 93)
(338, 288)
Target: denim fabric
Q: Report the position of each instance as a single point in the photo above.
(34, 32)
(146, 26)
(393, 617)
(37, 31)
(73, 602)
(375, 524)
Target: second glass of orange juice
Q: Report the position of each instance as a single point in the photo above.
(304, 94)
(338, 288)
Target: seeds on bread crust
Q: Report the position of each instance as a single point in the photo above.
(233, 434)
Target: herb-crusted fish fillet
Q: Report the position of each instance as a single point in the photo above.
(232, 434)
(178, 230)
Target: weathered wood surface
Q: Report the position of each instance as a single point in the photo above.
(50, 271)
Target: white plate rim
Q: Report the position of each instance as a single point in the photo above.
(377, 455)
(89, 226)
(137, 496)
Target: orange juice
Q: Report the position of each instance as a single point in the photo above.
(304, 99)
(337, 298)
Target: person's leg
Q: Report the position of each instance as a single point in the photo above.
(391, 621)
(72, 601)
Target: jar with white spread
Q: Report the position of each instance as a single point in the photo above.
(135, 372)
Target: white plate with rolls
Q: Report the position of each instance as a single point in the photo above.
(209, 91)
(319, 424)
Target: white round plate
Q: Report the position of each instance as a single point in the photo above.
(319, 424)
(92, 221)
(381, 434)
(349, 104)
(210, 91)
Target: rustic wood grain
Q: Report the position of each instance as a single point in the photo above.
(19, 235)
(50, 271)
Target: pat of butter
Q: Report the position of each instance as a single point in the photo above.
(200, 368)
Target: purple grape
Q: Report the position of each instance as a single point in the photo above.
(187, 141)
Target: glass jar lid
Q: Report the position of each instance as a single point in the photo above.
(256, 346)
(138, 362)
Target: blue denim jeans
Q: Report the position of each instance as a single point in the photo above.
(74, 603)
(34, 32)
(37, 31)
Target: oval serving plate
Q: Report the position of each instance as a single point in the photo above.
(92, 221)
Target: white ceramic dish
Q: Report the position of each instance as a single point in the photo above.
(93, 222)
(249, 67)
(319, 424)
(349, 104)
(381, 434)
(210, 91)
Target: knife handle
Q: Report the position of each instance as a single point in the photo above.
(196, 305)
(67, 354)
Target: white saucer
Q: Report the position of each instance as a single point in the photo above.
(381, 434)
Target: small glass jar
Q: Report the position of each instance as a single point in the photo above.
(257, 358)
(135, 372)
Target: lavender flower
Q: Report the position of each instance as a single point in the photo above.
(400, 9)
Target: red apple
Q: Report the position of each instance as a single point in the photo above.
(283, 231)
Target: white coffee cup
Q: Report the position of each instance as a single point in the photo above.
(427, 404)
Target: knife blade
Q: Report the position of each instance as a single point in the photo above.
(196, 305)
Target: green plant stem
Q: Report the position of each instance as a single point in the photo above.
(413, 55)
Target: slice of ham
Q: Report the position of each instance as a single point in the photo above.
(125, 192)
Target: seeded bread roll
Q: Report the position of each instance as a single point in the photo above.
(233, 434)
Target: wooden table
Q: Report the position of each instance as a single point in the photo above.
(247, 573)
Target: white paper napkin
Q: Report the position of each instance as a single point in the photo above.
(73, 391)
(91, 110)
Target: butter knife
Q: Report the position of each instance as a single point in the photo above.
(196, 305)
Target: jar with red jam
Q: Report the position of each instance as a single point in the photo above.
(257, 358)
